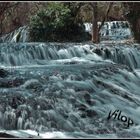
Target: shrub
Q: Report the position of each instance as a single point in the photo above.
(56, 23)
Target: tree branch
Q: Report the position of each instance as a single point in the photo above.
(108, 10)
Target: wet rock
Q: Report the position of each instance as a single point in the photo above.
(114, 26)
(81, 107)
(85, 74)
(54, 78)
(56, 87)
(8, 83)
(78, 78)
(45, 104)
(91, 113)
(107, 32)
(18, 82)
(5, 135)
(3, 73)
(72, 100)
(90, 102)
(73, 118)
(83, 115)
(87, 96)
(67, 126)
(102, 131)
(126, 25)
(33, 84)
(107, 52)
(72, 62)
(90, 129)
(77, 89)
(53, 124)
(16, 101)
(97, 51)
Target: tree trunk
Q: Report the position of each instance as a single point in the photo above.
(0, 27)
(106, 16)
(95, 28)
(133, 16)
(135, 26)
(95, 32)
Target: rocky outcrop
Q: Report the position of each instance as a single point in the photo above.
(3, 73)
(8, 83)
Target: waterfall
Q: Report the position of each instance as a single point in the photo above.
(70, 88)
(115, 30)
(128, 56)
(19, 35)
(46, 53)
(111, 30)
(19, 123)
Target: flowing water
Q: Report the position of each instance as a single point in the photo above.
(19, 35)
(115, 30)
(66, 90)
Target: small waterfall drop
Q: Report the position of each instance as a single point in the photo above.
(115, 30)
(19, 35)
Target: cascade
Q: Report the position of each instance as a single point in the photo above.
(68, 89)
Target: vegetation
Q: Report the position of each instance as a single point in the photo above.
(63, 21)
(56, 23)
(132, 14)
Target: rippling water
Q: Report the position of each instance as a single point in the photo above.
(64, 90)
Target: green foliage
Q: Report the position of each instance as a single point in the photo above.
(55, 23)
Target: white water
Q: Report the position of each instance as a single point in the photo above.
(19, 35)
(52, 53)
(69, 89)
(115, 30)
(58, 91)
